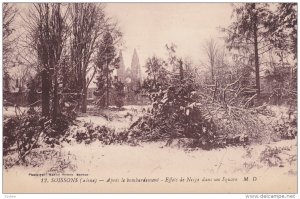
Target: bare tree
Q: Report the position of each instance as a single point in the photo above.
(8, 16)
(211, 50)
(47, 32)
(22, 74)
(88, 23)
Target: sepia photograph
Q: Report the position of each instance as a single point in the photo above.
(149, 98)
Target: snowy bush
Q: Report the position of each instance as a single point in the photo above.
(175, 114)
(239, 126)
(175, 111)
(285, 128)
(28, 131)
(89, 133)
(9, 133)
(22, 133)
(272, 156)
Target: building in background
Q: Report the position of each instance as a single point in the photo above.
(131, 77)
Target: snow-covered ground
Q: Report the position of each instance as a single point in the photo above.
(269, 167)
(154, 160)
(118, 120)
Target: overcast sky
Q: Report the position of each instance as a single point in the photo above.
(149, 26)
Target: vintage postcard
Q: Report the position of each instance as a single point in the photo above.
(149, 98)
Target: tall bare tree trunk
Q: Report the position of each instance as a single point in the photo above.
(55, 97)
(87, 21)
(256, 56)
(84, 96)
(107, 82)
(45, 94)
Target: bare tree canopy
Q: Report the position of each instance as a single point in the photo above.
(8, 16)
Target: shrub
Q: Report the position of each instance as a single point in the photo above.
(239, 125)
(23, 133)
(9, 133)
(285, 129)
(175, 114)
(89, 133)
(271, 156)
